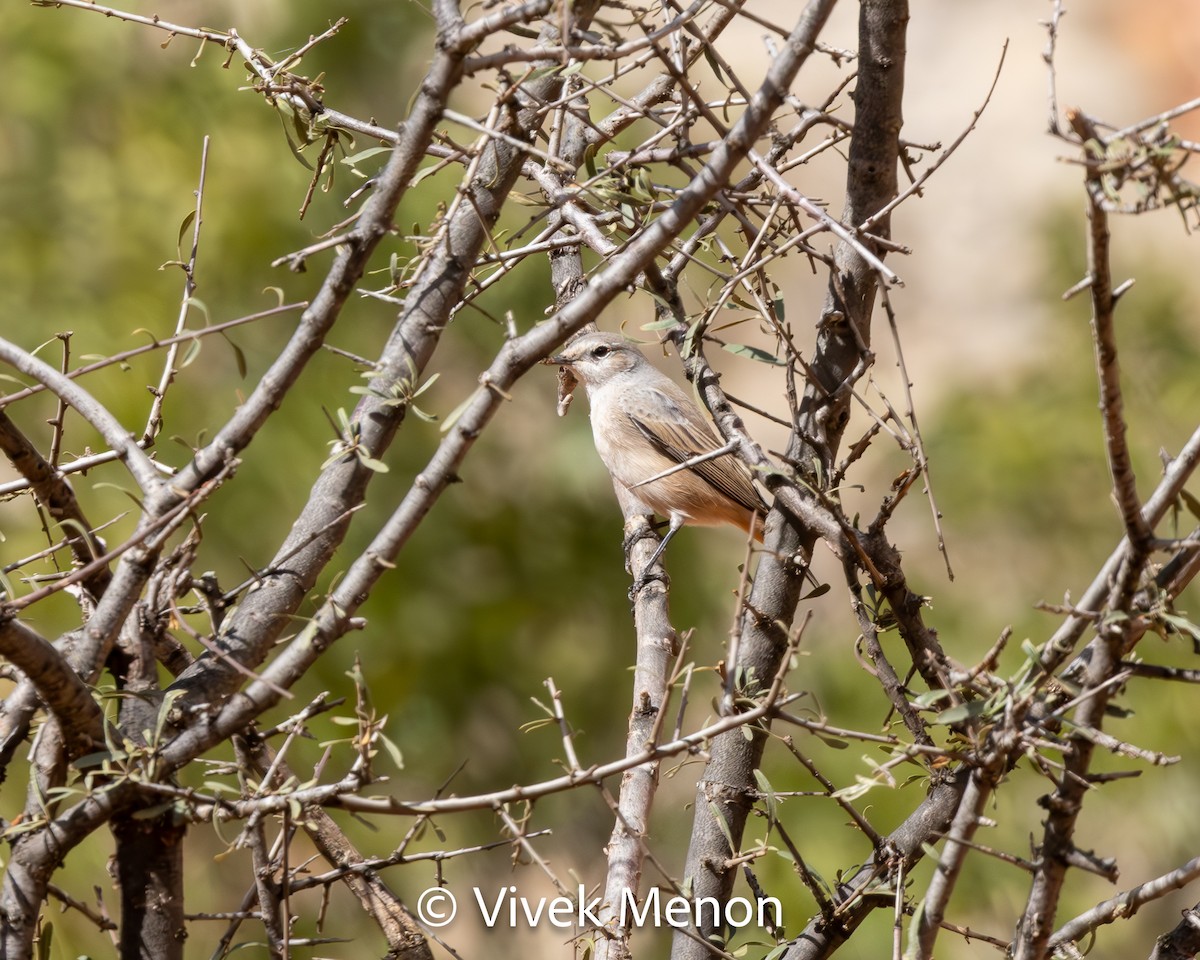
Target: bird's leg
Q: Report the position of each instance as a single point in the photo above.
(637, 528)
(677, 521)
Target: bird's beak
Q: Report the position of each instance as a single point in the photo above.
(558, 360)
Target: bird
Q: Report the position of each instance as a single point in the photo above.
(645, 427)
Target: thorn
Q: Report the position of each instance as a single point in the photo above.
(1078, 288)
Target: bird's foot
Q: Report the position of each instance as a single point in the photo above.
(635, 532)
(645, 580)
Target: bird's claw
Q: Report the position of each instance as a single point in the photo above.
(634, 534)
(645, 580)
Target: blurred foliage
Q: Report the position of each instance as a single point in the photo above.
(517, 576)
(1023, 459)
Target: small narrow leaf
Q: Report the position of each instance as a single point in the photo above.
(964, 711)
(238, 356)
(191, 353)
(753, 353)
(768, 791)
(183, 227)
(199, 305)
(357, 158)
(372, 464)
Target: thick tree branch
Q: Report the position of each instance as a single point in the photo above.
(728, 785)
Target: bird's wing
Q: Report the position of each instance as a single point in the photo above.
(680, 434)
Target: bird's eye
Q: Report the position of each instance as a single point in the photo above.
(600, 352)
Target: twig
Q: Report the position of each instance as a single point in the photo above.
(1060, 646)
(60, 407)
(915, 187)
(121, 357)
(1154, 671)
(851, 237)
(593, 774)
(950, 863)
(143, 471)
(918, 443)
(368, 866)
(103, 922)
(568, 735)
(700, 458)
(1104, 302)
(1125, 904)
(154, 420)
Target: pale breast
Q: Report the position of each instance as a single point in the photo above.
(631, 458)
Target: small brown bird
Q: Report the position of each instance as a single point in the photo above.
(644, 425)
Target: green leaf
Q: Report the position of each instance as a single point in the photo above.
(393, 751)
(191, 353)
(183, 227)
(116, 486)
(1191, 502)
(279, 108)
(542, 72)
(1182, 624)
(964, 711)
(930, 697)
(164, 711)
(150, 813)
(913, 950)
(215, 786)
(764, 786)
(425, 386)
(715, 812)
(46, 940)
(818, 591)
(712, 62)
(424, 172)
(89, 760)
(452, 417)
(753, 353)
(199, 305)
(238, 356)
(372, 464)
(355, 159)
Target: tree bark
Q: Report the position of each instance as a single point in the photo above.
(149, 864)
(727, 788)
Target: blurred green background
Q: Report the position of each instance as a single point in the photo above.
(517, 574)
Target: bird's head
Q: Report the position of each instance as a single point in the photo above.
(597, 358)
